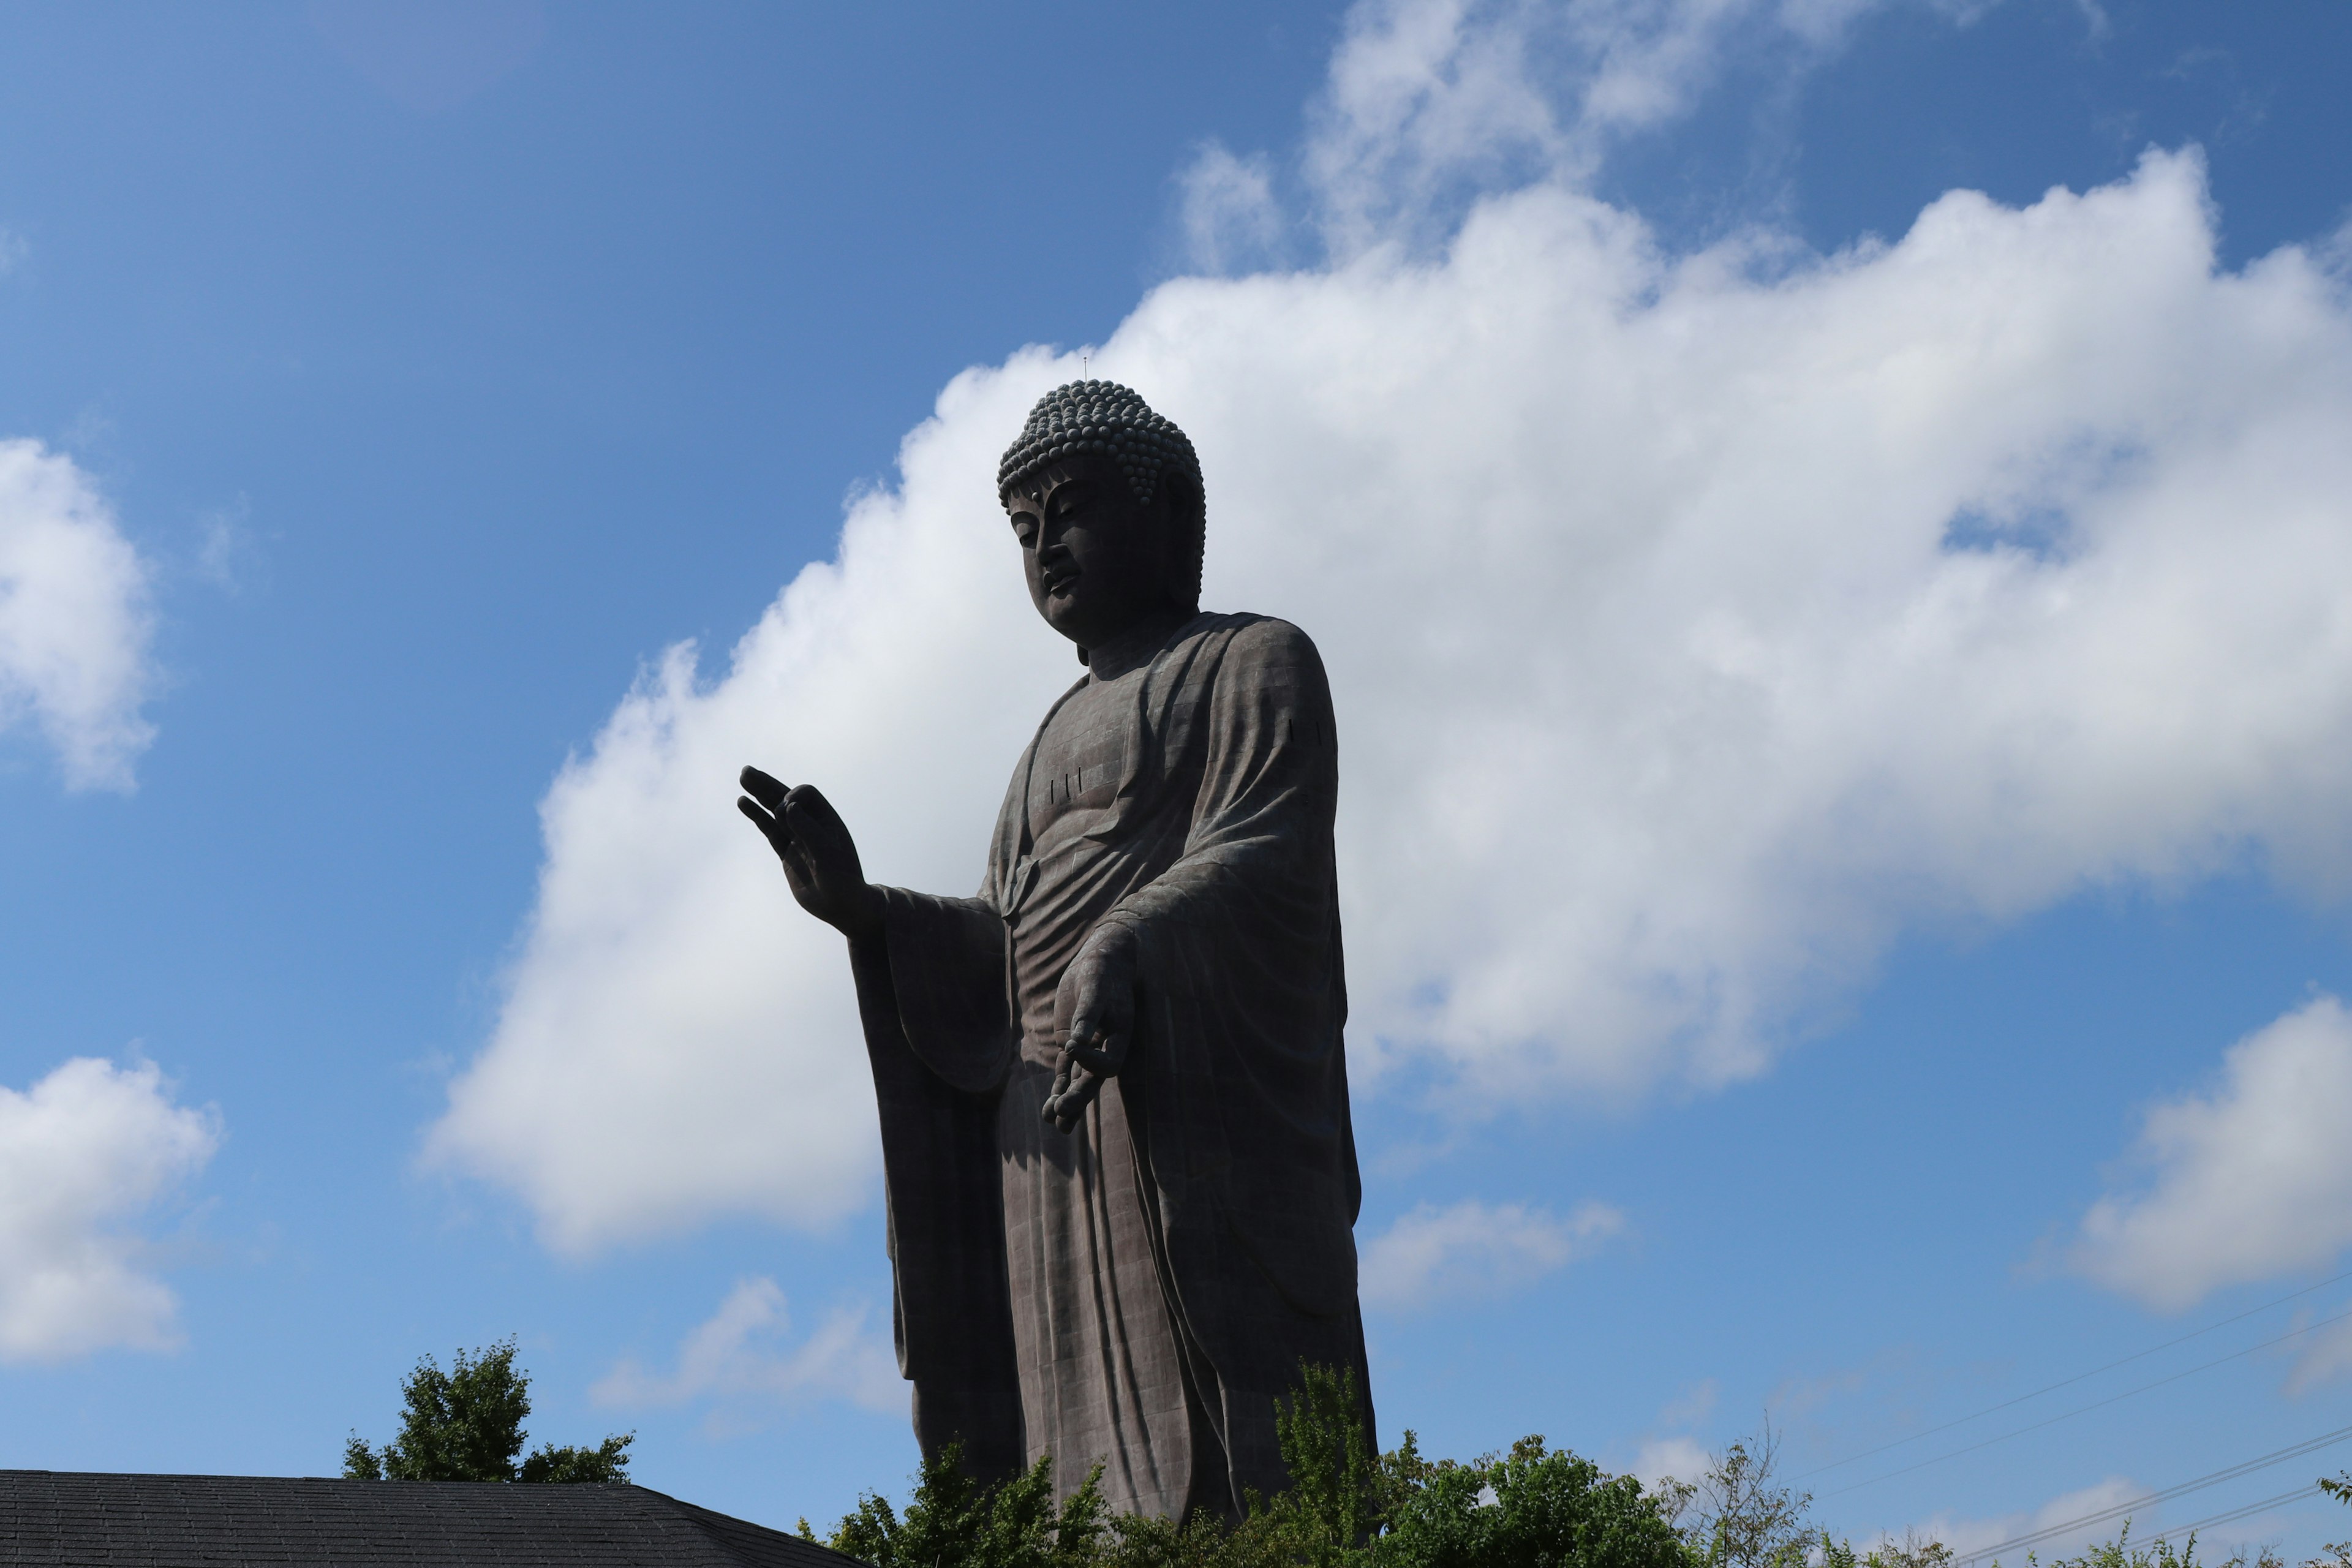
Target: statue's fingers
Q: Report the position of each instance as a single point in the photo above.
(809, 802)
(1103, 1062)
(1071, 1109)
(765, 788)
(1086, 1010)
(788, 849)
(759, 817)
(1065, 1095)
(808, 825)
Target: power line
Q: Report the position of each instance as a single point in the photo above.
(2230, 1516)
(2096, 1405)
(2069, 1381)
(2199, 1483)
(2236, 1514)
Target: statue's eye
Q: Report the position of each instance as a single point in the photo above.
(1025, 527)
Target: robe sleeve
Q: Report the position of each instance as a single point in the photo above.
(1244, 998)
(931, 996)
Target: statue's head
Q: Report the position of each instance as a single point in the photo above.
(1105, 497)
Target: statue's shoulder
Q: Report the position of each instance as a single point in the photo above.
(1255, 637)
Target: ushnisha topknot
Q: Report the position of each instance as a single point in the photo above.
(1103, 418)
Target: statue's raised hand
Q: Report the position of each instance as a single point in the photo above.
(1098, 996)
(819, 857)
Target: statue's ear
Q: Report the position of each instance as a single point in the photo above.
(1178, 502)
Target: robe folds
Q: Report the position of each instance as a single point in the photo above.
(1136, 1293)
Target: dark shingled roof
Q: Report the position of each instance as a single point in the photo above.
(56, 1518)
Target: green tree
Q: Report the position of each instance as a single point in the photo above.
(1911, 1552)
(1531, 1508)
(1337, 1486)
(954, 1519)
(1743, 1521)
(465, 1425)
(2339, 1553)
(2121, 1554)
(1344, 1508)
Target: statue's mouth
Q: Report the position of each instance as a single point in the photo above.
(1057, 579)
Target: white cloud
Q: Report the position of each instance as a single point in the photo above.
(1228, 212)
(82, 1152)
(1678, 1456)
(2248, 1182)
(1430, 102)
(1698, 625)
(226, 543)
(74, 625)
(1794, 1397)
(2325, 1357)
(1472, 1248)
(1693, 1406)
(1966, 1537)
(735, 1358)
(1671, 1459)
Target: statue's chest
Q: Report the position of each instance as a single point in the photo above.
(1079, 764)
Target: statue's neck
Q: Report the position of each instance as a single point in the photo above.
(1133, 647)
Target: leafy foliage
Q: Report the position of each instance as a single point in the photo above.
(1346, 1508)
(954, 1519)
(607, 1462)
(1911, 1553)
(2121, 1554)
(1745, 1521)
(465, 1425)
(2339, 1553)
(1531, 1508)
(1338, 1485)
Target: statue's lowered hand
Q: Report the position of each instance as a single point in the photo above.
(1098, 992)
(819, 858)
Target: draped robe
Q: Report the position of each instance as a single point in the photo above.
(1138, 1292)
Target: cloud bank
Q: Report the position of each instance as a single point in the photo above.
(1698, 623)
(1431, 104)
(74, 624)
(1475, 1250)
(1671, 1460)
(1965, 1536)
(2249, 1181)
(2325, 1358)
(734, 1358)
(84, 1150)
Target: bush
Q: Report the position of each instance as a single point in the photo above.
(465, 1425)
(1344, 1508)
(1531, 1508)
(953, 1518)
(2121, 1554)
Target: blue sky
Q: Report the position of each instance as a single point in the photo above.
(1846, 713)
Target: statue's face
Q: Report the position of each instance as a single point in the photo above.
(1097, 561)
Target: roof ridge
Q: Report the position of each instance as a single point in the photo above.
(168, 1520)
